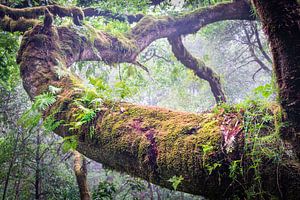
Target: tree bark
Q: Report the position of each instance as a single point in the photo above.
(281, 23)
(80, 170)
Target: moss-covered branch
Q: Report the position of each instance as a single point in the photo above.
(199, 68)
(21, 25)
(75, 12)
(153, 143)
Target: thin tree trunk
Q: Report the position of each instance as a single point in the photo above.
(11, 164)
(150, 191)
(256, 33)
(80, 169)
(38, 177)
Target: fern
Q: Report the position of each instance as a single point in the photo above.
(70, 143)
(30, 118)
(122, 90)
(50, 123)
(43, 101)
(54, 90)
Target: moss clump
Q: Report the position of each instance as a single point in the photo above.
(21, 24)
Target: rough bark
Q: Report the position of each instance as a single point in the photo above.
(281, 23)
(199, 68)
(80, 169)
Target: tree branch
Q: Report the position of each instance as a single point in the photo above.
(267, 57)
(199, 68)
(21, 25)
(75, 12)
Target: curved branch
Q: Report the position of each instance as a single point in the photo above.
(199, 68)
(255, 73)
(115, 50)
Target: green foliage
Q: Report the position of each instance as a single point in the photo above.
(207, 150)
(9, 70)
(261, 126)
(122, 90)
(235, 169)
(20, 149)
(70, 143)
(202, 3)
(261, 142)
(119, 6)
(6, 147)
(210, 31)
(265, 91)
(114, 27)
(83, 115)
(43, 101)
(105, 190)
(176, 180)
(33, 115)
(50, 123)
(211, 167)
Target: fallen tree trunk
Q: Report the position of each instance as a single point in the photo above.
(149, 142)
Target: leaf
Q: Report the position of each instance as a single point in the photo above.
(43, 101)
(175, 180)
(70, 143)
(54, 90)
(122, 90)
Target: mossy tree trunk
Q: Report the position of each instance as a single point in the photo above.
(281, 23)
(149, 142)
